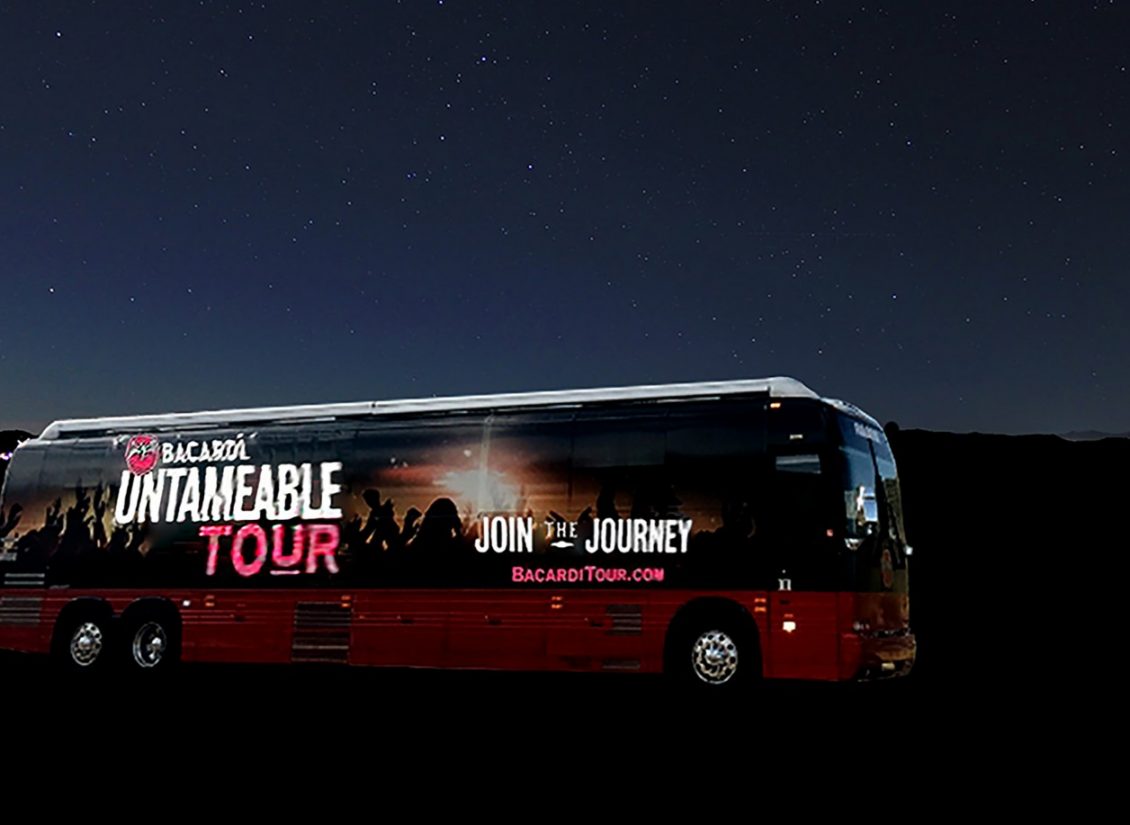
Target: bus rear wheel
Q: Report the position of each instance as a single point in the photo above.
(151, 640)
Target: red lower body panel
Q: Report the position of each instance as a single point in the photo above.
(802, 634)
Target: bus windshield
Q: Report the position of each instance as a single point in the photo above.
(872, 499)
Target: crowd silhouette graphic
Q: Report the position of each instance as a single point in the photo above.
(73, 541)
(78, 541)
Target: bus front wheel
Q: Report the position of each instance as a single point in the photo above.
(714, 652)
(82, 641)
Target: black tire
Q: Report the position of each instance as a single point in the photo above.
(83, 641)
(716, 653)
(150, 641)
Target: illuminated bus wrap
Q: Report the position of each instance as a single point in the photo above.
(721, 532)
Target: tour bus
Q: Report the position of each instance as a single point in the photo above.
(719, 532)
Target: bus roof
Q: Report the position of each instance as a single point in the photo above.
(780, 387)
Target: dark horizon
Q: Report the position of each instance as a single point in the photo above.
(912, 209)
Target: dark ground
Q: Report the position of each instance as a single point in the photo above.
(1016, 541)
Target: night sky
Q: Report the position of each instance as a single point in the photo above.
(921, 208)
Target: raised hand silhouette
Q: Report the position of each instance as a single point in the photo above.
(9, 524)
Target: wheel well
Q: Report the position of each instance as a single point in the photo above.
(154, 607)
(708, 608)
(87, 606)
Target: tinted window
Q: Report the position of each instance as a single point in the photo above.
(618, 466)
(528, 470)
(797, 424)
(717, 459)
(415, 490)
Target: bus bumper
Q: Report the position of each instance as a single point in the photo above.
(871, 658)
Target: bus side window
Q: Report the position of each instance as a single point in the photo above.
(796, 425)
(527, 475)
(414, 492)
(25, 507)
(716, 457)
(75, 475)
(618, 468)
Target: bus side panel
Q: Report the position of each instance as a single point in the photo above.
(23, 626)
(611, 629)
(400, 628)
(627, 629)
(803, 639)
(254, 626)
(505, 629)
(231, 626)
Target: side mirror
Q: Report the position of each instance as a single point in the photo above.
(866, 509)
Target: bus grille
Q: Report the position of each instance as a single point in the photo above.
(24, 579)
(321, 632)
(19, 610)
(627, 619)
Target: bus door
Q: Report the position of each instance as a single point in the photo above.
(803, 518)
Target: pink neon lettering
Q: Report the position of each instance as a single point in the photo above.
(245, 568)
(323, 542)
(590, 573)
(213, 532)
(299, 548)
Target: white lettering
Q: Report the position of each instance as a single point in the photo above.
(151, 486)
(505, 534)
(243, 491)
(288, 505)
(217, 504)
(308, 512)
(593, 544)
(524, 538)
(126, 507)
(640, 536)
(482, 543)
(669, 545)
(329, 488)
(265, 494)
(174, 476)
(607, 536)
(190, 501)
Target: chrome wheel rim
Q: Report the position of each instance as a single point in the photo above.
(149, 645)
(86, 644)
(714, 657)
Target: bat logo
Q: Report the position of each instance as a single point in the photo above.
(142, 454)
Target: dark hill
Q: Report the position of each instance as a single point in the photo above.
(8, 441)
(1016, 540)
